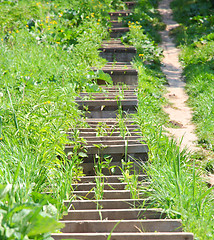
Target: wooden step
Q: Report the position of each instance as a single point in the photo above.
(108, 102)
(124, 87)
(106, 133)
(112, 41)
(107, 105)
(107, 99)
(116, 164)
(109, 149)
(115, 23)
(121, 75)
(130, 128)
(118, 32)
(107, 129)
(109, 112)
(120, 63)
(113, 125)
(124, 236)
(106, 204)
(98, 226)
(114, 214)
(116, 95)
(119, 68)
(121, 13)
(108, 108)
(111, 100)
(130, 4)
(118, 53)
(112, 143)
(110, 178)
(106, 186)
(110, 138)
(90, 186)
(107, 194)
(110, 121)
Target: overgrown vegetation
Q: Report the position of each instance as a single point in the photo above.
(179, 188)
(196, 38)
(176, 180)
(47, 50)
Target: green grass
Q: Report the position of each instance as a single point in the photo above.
(46, 52)
(178, 186)
(196, 39)
(176, 180)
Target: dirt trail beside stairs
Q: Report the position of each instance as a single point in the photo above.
(180, 114)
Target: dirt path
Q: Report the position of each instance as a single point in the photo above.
(180, 114)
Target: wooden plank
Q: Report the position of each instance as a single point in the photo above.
(123, 102)
(99, 226)
(106, 204)
(113, 138)
(124, 236)
(115, 214)
(110, 178)
(107, 194)
(111, 143)
(118, 47)
(106, 186)
(119, 71)
(83, 134)
(113, 149)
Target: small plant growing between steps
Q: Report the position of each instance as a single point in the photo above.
(132, 183)
(99, 180)
(103, 129)
(100, 164)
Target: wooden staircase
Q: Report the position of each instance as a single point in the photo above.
(107, 206)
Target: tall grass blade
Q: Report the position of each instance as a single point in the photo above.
(14, 113)
(109, 236)
(0, 127)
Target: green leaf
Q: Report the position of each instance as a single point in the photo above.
(43, 224)
(45, 199)
(104, 76)
(4, 189)
(82, 154)
(9, 233)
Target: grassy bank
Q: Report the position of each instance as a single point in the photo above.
(47, 49)
(176, 179)
(196, 39)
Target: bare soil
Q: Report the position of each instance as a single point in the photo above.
(179, 113)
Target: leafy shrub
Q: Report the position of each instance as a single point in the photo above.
(27, 220)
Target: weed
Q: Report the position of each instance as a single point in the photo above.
(132, 183)
(109, 236)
